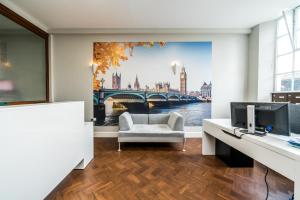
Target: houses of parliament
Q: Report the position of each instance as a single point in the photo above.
(205, 89)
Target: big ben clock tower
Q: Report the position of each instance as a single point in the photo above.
(183, 81)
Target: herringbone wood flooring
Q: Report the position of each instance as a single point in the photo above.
(161, 171)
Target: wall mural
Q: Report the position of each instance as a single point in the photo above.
(152, 77)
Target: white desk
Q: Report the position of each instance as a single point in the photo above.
(271, 151)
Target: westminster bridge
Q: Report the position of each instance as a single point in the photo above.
(141, 96)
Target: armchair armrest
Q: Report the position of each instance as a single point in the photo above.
(176, 122)
(125, 122)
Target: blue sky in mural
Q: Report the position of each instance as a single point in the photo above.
(153, 65)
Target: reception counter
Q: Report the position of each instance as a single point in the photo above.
(40, 145)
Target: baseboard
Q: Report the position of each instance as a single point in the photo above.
(103, 134)
(193, 134)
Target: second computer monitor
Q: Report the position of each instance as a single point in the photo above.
(273, 117)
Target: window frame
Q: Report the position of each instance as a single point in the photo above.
(295, 49)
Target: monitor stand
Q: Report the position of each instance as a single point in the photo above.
(251, 118)
(251, 122)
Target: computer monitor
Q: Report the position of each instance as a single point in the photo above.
(271, 116)
(295, 118)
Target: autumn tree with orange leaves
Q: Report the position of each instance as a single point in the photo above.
(111, 54)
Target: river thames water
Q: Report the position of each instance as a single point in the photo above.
(193, 113)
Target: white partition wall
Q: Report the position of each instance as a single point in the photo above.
(39, 145)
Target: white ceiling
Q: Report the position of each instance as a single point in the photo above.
(151, 14)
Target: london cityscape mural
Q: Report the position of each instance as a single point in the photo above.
(152, 77)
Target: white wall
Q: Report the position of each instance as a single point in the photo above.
(261, 61)
(253, 64)
(267, 40)
(72, 77)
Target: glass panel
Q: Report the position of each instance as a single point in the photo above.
(284, 64)
(289, 18)
(281, 25)
(297, 82)
(284, 82)
(284, 45)
(297, 61)
(22, 64)
(297, 39)
(297, 28)
(297, 18)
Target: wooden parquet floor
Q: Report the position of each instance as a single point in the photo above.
(162, 171)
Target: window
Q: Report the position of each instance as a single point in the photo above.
(287, 73)
(23, 60)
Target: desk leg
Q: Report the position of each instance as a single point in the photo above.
(297, 182)
(208, 144)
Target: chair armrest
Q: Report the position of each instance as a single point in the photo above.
(176, 121)
(125, 122)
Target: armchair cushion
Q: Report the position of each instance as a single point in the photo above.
(139, 118)
(176, 122)
(158, 118)
(125, 122)
(151, 130)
